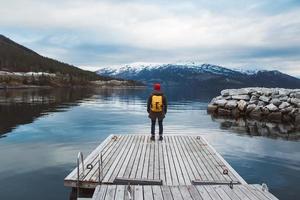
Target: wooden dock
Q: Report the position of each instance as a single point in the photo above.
(178, 163)
(189, 192)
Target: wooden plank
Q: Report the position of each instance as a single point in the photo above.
(189, 165)
(135, 166)
(173, 172)
(207, 162)
(157, 193)
(212, 193)
(151, 161)
(146, 160)
(116, 160)
(180, 158)
(221, 192)
(101, 193)
(176, 193)
(167, 169)
(148, 194)
(247, 192)
(267, 194)
(130, 156)
(123, 161)
(230, 192)
(120, 192)
(125, 181)
(161, 164)
(239, 193)
(110, 193)
(197, 162)
(134, 156)
(219, 165)
(107, 159)
(156, 160)
(199, 159)
(194, 192)
(166, 192)
(138, 192)
(142, 160)
(240, 179)
(176, 162)
(185, 193)
(96, 192)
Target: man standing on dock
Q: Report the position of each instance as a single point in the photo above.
(157, 109)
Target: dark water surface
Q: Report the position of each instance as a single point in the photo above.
(41, 132)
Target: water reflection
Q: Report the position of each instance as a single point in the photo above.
(45, 129)
(24, 106)
(288, 131)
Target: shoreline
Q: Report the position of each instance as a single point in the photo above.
(21, 87)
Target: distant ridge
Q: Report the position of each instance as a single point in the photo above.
(202, 75)
(17, 58)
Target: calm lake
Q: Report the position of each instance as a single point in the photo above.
(41, 132)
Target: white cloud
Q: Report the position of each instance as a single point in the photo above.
(186, 30)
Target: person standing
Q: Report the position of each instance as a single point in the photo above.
(157, 109)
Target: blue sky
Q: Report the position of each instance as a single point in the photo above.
(93, 34)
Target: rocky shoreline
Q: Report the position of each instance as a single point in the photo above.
(267, 104)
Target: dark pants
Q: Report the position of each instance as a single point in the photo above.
(160, 124)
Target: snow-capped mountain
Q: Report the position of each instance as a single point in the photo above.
(201, 74)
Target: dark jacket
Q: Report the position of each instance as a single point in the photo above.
(157, 115)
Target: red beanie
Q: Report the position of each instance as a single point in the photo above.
(156, 86)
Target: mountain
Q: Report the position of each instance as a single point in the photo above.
(205, 75)
(34, 69)
(17, 58)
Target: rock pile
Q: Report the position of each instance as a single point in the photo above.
(270, 104)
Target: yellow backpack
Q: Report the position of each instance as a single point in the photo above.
(157, 103)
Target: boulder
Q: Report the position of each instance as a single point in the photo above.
(232, 92)
(231, 104)
(295, 101)
(261, 103)
(284, 105)
(283, 92)
(276, 102)
(242, 105)
(220, 102)
(265, 99)
(297, 95)
(250, 107)
(241, 97)
(228, 98)
(253, 99)
(283, 98)
(224, 112)
(212, 108)
(225, 93)
(271, 107)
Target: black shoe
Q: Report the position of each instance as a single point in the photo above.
(152, 138)
(160, 138)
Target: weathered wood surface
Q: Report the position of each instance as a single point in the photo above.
(190, 192)
(177, 160)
